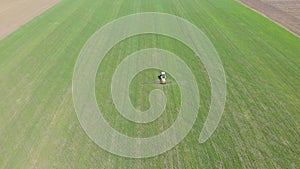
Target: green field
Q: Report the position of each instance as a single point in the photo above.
(260, 125)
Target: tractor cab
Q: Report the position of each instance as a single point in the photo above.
(162, 78)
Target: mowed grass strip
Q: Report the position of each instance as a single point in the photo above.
(260, 126)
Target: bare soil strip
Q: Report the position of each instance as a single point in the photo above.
(278, 12)
(15, 13)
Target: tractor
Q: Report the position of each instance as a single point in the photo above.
(162, 78)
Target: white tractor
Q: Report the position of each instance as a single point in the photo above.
(162, 78)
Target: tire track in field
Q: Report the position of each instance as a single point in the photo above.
(36, 73)
(39, 73)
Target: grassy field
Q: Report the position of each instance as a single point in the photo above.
(260, 126)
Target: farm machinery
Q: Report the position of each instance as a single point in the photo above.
(162, 78)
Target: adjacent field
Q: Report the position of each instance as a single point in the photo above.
(260, 126)
(16, 13)
(283, 12)
(289, 6)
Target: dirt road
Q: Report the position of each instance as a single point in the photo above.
(284, 12)
(15, 13)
